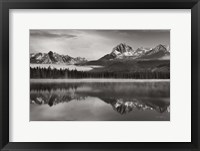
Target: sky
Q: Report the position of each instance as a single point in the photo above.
(93, 44)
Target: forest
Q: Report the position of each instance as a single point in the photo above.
(49, 73)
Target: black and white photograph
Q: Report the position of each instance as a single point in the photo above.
(99, 75)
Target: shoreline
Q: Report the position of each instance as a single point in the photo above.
(95, 80)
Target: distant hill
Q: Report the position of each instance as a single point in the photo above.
(130, 65)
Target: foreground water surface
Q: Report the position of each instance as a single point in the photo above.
(99, 100)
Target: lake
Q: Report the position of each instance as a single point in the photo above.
(99, 100)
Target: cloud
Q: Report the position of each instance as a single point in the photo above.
(50, 34)
(93, 44)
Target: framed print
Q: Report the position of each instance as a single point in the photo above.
(101, 81)
(91, 75)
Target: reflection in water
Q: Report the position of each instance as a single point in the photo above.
(147, 100)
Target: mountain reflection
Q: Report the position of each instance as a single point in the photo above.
(123, 97)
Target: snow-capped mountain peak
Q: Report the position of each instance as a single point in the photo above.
(122, 50)
(54, 58)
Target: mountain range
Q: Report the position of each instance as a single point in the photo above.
(120, 52)
(54, 58)
(123, 51)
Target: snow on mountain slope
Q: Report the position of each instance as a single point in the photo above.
(123, 51)
(54, 58)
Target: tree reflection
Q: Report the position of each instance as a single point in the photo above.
(123, 97)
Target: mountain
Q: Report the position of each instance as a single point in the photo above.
(159, 52)
(141, 51)
(54, 58)
(124, 59)
(123, 51)
(119, 52)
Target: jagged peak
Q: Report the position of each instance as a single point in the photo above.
(161, 46)
(50, 53)
(122, 47)
(123, 43)
(53, 57)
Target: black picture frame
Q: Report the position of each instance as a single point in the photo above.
(5, 5)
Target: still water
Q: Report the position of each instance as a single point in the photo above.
(97, 100)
